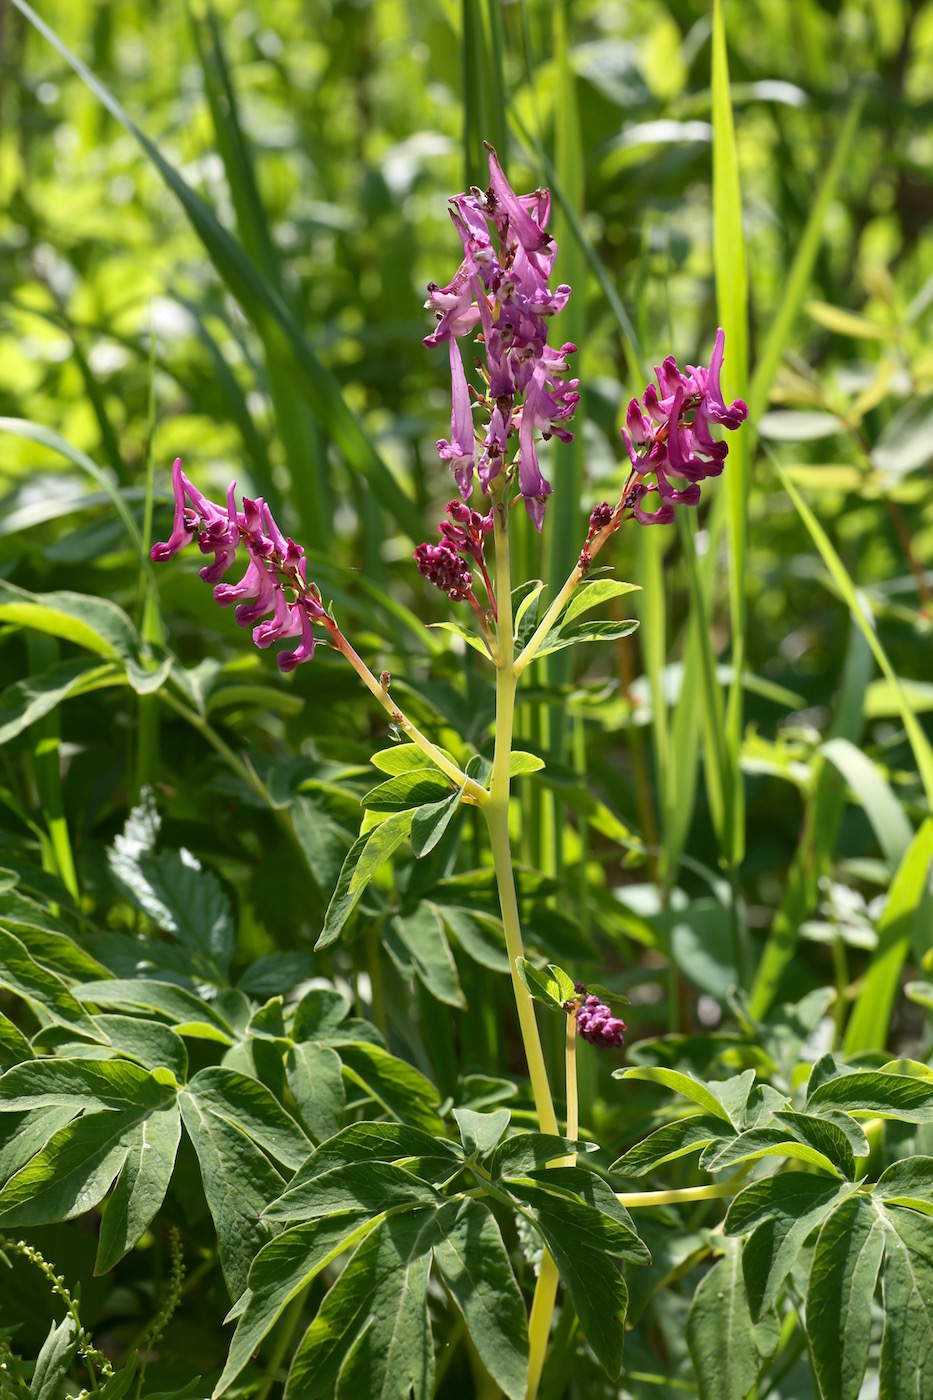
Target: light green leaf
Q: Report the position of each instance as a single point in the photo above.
(685, 1084)
(608, 631)
(14, 1047)
(842, 322)
(903, 444)
(842, 1285)
(767, 1142)
(429, 823)
(882, 808)
(799, 425)
(474, 1265)
(590, 595)
(383, 841)
(480, 936)
(405, 758)
(472, 639)
(54, 1360)
(551, 987)
(521, 763)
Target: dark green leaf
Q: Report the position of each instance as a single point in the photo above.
(417, 943)
(316, 1083)
(252, 1108)
(359, 1186)
(907, 1283)
(842, 1285)
(479, 1132)
(429, 823)
(874, 1092)
(401, 1089)
(141, 1185)
(22, 975)
(724, 1347)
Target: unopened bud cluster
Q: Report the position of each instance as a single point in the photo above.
(595, 1021)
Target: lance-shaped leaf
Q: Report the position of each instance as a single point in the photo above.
(723, 1099)
(725, 1347)
(402, 1090)
(367, 855)
(124, 1108)
(372, 1335)
(474, 1265)
(417, 944)
(908, 1183)
(430, 822)
(239, 1182)
(316, 1083)
(22, 975)
(670, 1142)
(357, 1186)
(524, 1152)
(780, 1212)
(907, 1284)
(839, 1296)
(381, 1142)
(280, 1271)
(877, 1093)
(186, 1012)
(54, 1360)
(250, 1106)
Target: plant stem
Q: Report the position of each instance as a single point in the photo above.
(570, 1065)
(539, 1324)
(496, 812)
(473, 791)
(712, 1192)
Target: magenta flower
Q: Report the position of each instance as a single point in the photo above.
(276, 576)
(595, 1021)
(501, 288)
(668, 434)
(441, 565)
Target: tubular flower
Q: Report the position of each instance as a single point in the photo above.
(276, 576)
(595, 1021)
(668, 434)
(501, 290)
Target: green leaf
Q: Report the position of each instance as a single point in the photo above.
(22, 1135)
(909, 1182)
(372, 1334)
(751, 1146)
(882, 808)
(602, 1221)
(248, 1105)
(685, 1084)
(873, 1092)
(416, 941)
(406, 758)
(239, 1182)
(371, 1187)
(799, 425)
(429, 823)
(344, 899)
(472, 639)
(406, 790)
(724, 1346)
(779, 1214)
(188, 1014)
(826, 1136)
(81, 1085)
(897, 928)
(923, 753)
(54, 1360)
(474, 1265)
(480, 936)
(479, 1132)
(670, 1142)
(280, 1271)
(590, 595)
(28, 700)
(551, 988)
(95, 624)
(378, 1142)
(524, 1152)
(842, 1284)
(319, 1012)
(561, 636)
(14, 1047)
(402, 1090)
(173, 890)
(907, 1284)
(141, 1186)
(902, 444)
(22, 975)
(316, 1083)
(582, 1242)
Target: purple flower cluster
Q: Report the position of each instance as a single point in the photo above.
(668, 434)
(501, 288)
(595, 1021)
(277, 566)
(446, 564)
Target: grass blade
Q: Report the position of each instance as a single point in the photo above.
(258, 299)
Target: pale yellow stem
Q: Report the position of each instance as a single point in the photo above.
(539, 1324)
(712, 1192)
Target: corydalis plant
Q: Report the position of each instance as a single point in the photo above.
(501, 290)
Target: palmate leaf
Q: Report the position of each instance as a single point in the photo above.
(671, 1141)
(842, 1285)
(416, 942)
(128, 1133)
(26, 978)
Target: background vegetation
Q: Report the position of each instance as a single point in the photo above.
(222, 255)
